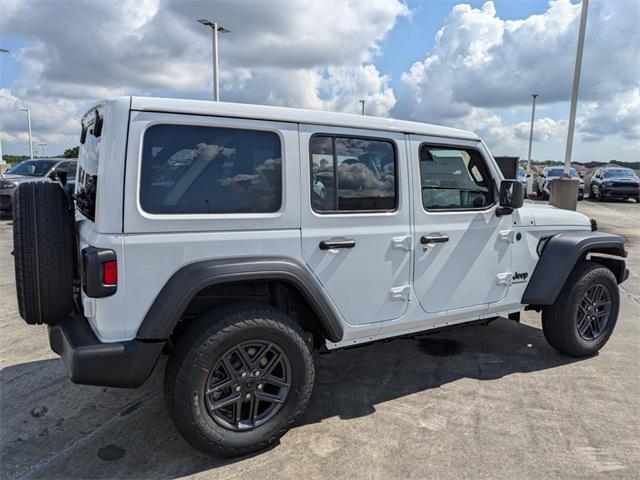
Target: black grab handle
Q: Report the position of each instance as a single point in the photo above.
(425, 239)
(331, 244)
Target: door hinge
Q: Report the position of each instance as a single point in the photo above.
(506, 235)
(404, 242)
(401, 293)
(504, 278)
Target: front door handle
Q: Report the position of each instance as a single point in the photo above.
(427, 239)
(337, 243)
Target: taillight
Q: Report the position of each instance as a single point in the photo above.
(110, 272)
(100, 272)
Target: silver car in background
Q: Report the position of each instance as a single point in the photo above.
(39, 170)
(543, 182)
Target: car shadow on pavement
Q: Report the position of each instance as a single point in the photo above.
(74, 431)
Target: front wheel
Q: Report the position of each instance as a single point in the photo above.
(585, 313)
(238, 379)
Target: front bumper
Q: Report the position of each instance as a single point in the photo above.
(91, 362)
(6, 201)
(621, 192)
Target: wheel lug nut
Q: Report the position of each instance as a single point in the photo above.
(243, 374)
(256, 373)
(259, 386)
(238, 388)
(247, 396)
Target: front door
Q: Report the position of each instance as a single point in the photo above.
(356, 219)
(463, 255)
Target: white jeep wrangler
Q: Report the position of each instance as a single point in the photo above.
(238, 239)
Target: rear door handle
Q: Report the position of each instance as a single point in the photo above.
(337, 243)
(426, 239)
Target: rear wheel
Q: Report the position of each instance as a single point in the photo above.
(238, 379)
(585, 313)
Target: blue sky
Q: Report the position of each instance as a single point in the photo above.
(489, 58)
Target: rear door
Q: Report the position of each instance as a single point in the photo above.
(355, 217)
(463, 256)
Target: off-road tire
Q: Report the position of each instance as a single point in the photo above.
(44, 252)
(559, 320)
(197, 350)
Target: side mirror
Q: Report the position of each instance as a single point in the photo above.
(60, 176)
(511, 196)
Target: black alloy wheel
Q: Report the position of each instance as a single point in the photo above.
(248, 385)
(594, 312)
(238, 378)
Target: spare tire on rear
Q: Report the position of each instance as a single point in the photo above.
(43, 248)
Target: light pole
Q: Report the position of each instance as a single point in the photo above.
(576, 86)
(362, 102)
(29, 124)
(533, 116)
(564, 191)
(215, 28)
(2, 50)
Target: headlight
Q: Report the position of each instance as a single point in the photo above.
(8, 184)
(608, 184)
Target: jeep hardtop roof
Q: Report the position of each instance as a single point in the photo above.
(294, 115)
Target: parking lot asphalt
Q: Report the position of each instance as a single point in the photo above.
(504, 404)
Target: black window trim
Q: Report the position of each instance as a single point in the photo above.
(487, 169)
(183, 216)
(333, 136)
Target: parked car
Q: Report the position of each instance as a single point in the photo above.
(40, 170)
(615, 182)
(193, 236)
(543, 182)
(524, 179)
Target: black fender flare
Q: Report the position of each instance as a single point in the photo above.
(560, 255)
(172, 300)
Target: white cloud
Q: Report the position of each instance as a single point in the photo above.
(303, 54)
(482, 62)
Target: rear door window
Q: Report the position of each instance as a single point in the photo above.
(195, 169)
(352, 174)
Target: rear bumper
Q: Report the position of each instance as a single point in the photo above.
(91, 362)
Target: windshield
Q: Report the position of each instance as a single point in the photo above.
(619, 172)
(558, 172)
(33, 168)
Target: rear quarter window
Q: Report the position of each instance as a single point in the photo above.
(197, 169)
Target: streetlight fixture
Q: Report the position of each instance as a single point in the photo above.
(362, 102)
(215, 28)
(29, 124)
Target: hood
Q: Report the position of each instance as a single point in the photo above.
(21, 178)
(547, 215)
